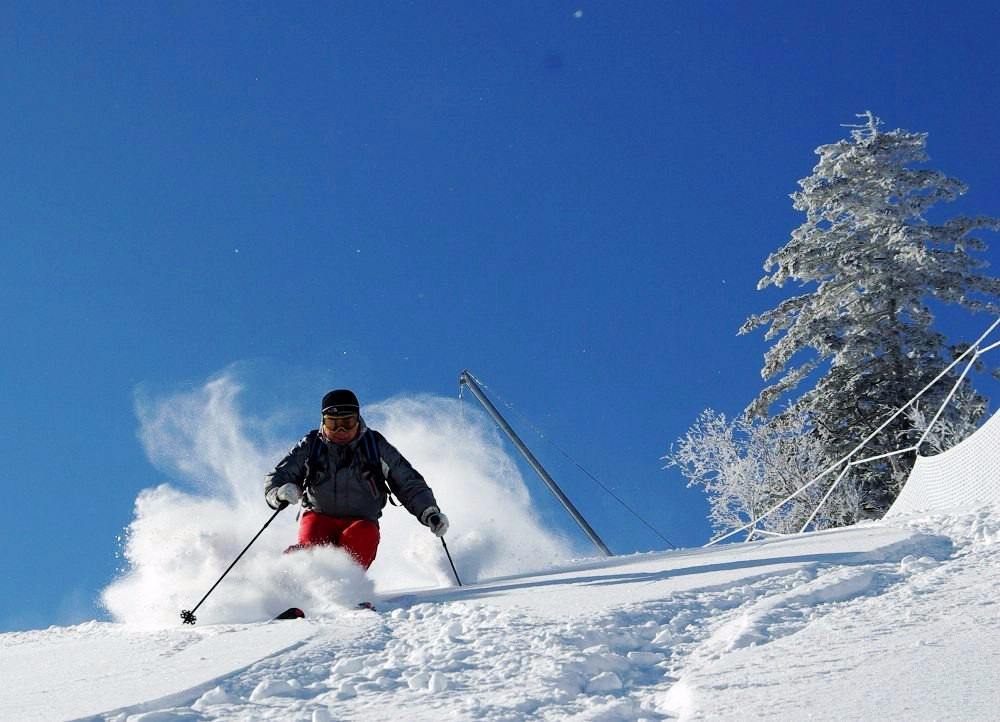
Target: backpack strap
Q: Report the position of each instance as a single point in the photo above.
(372, 459)
(312, 460)
(374, 463)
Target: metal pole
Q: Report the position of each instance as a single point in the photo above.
(836, 482)
(467, 379)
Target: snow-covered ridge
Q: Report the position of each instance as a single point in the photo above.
(822, 624)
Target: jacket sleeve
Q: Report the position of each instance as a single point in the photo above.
(291, 469)
(404, 481)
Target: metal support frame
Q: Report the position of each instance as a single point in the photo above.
(947, 400)
(848, 460)
(765, 532)
(466, 379)
(840, 476)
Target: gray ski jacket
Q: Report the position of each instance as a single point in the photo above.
(341, 485)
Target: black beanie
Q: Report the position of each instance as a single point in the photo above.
(340, 402)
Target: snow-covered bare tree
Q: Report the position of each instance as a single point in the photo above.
(748, 465)
(864, 335)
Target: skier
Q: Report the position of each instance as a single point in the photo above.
(343, 473)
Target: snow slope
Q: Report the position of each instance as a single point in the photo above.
(892, 620)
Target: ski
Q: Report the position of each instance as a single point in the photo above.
(296, 613)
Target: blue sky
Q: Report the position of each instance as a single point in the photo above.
(573, 200)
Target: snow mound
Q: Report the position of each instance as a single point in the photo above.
(881, 620)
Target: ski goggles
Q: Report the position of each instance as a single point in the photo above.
(340, 423)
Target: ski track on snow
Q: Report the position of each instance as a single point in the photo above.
(475, 660)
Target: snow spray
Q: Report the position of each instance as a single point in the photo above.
(183, 534)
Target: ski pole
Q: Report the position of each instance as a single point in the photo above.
(455, 571)
(187, 615)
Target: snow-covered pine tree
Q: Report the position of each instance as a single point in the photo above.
(865, 333)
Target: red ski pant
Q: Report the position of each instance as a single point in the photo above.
(359, 537)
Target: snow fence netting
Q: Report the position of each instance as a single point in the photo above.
(966, 475)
